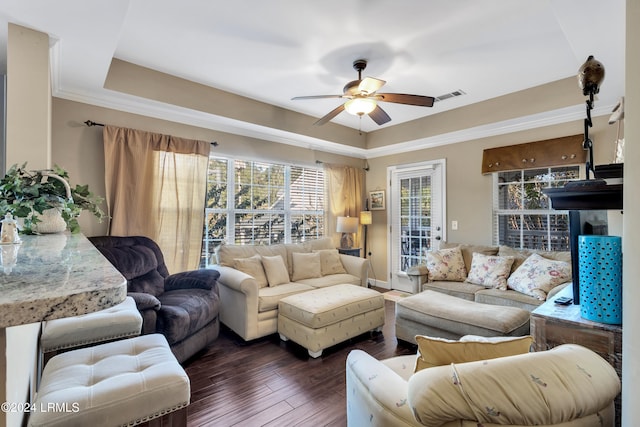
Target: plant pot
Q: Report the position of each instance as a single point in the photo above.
(51, 221)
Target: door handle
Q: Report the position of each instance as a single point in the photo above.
(438, 237)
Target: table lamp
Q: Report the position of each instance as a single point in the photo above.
(347, 225)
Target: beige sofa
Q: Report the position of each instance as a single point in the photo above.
(469, 291)
(489, 295)
(568, 386)
(249, 302)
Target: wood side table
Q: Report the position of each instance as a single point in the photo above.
(350, 251)
(553, 324)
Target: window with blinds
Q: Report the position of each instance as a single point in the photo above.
(523, 217)
(251, 202)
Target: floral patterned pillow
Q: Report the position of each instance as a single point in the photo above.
(537, 276)
(490, 271)
(446, 264)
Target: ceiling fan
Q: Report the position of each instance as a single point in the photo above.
(363, 98)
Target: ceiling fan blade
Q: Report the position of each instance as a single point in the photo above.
(403, 98)
(339, 109)
(370, 85)
(316, 97)
(379, 116)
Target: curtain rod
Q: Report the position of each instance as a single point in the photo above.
(365, 168)
(92, 123)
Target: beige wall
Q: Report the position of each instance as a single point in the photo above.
(469, 193)
(28, 139)
(78, 148)
(631, 224)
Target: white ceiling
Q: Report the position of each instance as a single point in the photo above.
(274, 50)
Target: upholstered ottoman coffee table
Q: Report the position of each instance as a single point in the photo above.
(324, 317)
(440, 315)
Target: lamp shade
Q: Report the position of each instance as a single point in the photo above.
(347, 224)
(360, 106)
(365, 217)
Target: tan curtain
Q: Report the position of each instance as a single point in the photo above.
(156, 187)
(345, 193)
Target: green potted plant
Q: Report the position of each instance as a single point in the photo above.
(36, 196)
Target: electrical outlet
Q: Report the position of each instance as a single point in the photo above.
(454, 225)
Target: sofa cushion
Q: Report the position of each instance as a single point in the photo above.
(275, 269)
(439, 351)
(253, 267)
(469, 250)
(537, 276)
(331, 280)
(490, 271)
(305, 266)
(462, 290)
(269, 297)
(330, 262)
(508, 298)
(446, 264)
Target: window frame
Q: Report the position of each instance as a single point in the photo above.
(548, 212)
(288, 212)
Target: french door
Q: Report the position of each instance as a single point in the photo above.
(416, 217)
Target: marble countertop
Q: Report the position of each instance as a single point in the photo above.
(53, 276)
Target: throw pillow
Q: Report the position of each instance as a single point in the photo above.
(305, 266)
(439, 351)
(330, 262)
(446, 264)
(490, 271)
(537, 276)
(277, 273)
(253, 267)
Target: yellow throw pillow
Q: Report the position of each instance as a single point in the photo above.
(439, 351)
(277, 273)
(253, 267)
(330, 262)
(305, 266)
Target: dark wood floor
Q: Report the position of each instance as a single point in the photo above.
(271, 383)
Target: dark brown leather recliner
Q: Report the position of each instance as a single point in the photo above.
(183, 307)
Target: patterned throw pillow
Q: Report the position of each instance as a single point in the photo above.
(490, 271)
(537, 276)
(446, 264)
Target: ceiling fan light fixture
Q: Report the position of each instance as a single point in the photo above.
(360, 106)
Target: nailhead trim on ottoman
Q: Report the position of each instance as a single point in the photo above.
(324, 317)
(120, 321)
(125, 382)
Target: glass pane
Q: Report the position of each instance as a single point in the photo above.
(533, 196)
(217, 184)
(509, 230)
(510, 197)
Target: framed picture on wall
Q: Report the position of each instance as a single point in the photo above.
(377, 200)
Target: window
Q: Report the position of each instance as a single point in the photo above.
(523, 217)
(251, 202)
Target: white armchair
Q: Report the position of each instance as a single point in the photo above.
(569, 386)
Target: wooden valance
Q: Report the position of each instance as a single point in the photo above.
(539, 154)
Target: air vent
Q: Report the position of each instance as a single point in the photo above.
(453, 94)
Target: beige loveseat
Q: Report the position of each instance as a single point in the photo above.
(492, 295)
(254, 278)
(480, 290)
(568, 386)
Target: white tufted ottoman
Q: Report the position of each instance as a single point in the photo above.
(324, 317)
(125, 382)
(120, 321)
